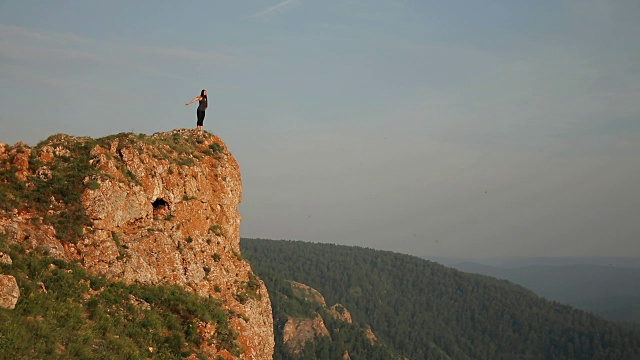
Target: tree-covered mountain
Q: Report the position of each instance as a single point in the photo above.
(424, 310)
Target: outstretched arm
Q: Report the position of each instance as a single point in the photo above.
(197, 98)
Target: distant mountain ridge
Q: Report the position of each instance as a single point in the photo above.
(523, 261)
(612, 290)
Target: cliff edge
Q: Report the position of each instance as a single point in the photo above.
(153, 210)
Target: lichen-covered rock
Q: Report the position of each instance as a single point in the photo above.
(9, 292)
(158, 209)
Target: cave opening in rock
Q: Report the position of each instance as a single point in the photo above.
(160, 207)
(159, 203)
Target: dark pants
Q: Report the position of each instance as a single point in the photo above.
(200, 117)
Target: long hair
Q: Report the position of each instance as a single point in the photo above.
(202, 94)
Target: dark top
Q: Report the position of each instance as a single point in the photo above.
(202, 104)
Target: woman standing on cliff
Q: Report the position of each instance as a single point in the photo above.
(202, 106)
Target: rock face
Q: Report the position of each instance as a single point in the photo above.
(9, 292)
(309, 294)
(158, 209)
(297, 332)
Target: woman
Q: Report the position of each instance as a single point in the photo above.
(202, 106)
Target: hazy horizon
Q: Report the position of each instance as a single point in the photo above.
(552, 261)
(456, 129)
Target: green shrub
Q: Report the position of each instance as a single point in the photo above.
(36, 221)
(215, 147)
(248, 290)
(93, 185)
(237, 255)
(186, 197)
(186, 161)
(116, 238)
(217, 230)
(4, 236)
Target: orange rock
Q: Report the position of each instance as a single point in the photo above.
(9, 292)
(297, 332)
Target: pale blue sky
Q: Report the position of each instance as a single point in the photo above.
(437, 128)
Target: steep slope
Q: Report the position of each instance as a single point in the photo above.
(150, 210)
(427, 311)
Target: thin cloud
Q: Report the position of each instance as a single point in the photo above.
(27, 43)
(275, 9)
(8, 32)
(189, 54)
(62, 53)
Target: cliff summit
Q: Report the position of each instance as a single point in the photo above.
(149, 210)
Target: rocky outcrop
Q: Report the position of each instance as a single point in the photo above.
(9, 292)
(298, 331)
(307, 293)
(341, 313)
(371, 336)
(158, 209)
(5, 259)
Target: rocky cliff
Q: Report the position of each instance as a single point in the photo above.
(158, 209)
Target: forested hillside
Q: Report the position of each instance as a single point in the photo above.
(427, 311)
